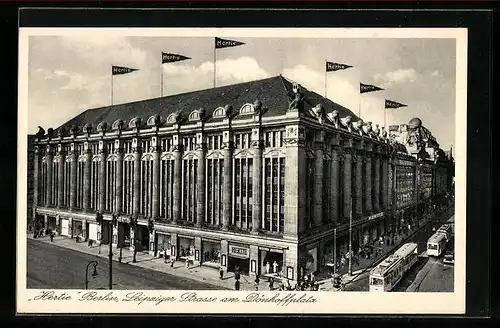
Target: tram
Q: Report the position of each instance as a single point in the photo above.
(387, 274)
(437, 243)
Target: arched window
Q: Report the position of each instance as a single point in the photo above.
(194, 116)
(247, 109)
(171, 118)
(219, 112)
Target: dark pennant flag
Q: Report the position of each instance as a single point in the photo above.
(368, 88)
(332, 67)
(170, 58)
(223, 43)
(118, 70)
(393, 104)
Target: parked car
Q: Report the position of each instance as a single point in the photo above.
(449, 258)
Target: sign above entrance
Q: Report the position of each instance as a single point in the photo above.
(238, 251)
(375, 216)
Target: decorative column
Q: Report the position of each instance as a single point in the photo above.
(227, 144)
(36, 177)
(295, 179)
(136, 149)
(385, 183)
(347, 179)
(334, 182)
(201, 150)
(156, 150)
(102, 175)
(49, 159)
(119, 176)
(177, 188)
(60, 178)
(318, 179)
(257, 145)
(376, 182)
(73, 172)
(359, 183)
(86, 176)
(368, 183)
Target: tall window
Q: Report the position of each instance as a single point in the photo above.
(189, 175)
(243, 174)
(340, 186)
(128, 178)
(94, 183)
(166, 144)
(215, 195)
(67, 181)
(55, 181)
(43, 183)
(79, 182)
(363, 186)
(309, 190)
(189, 143)
(327, 186)
(110, 204)
(214, 142)
(167, 188)
(146, 185)
(274, 192)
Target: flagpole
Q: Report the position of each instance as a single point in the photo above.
(112, 85)
(215, 62)
(385, 118)
(326, 88)
(161, 81)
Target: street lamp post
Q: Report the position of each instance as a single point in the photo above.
(94, 273)
(112, 223)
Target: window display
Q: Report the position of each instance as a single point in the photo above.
(186, 248)
(211, 252)
(164, 244)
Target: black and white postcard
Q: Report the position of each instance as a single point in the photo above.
(242, 170)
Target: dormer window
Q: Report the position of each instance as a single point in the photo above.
(247, 109)
(194, 116)
(171, 118)
(219, 112)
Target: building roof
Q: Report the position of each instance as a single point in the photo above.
(274, 93)
(394, 258)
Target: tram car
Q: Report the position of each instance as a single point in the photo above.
(437, 244)
(387, 274)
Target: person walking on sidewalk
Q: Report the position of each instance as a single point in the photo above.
(187, 263)
(52, 236)
(237, 285)
(172, 261)
(271, 284)
(257, 280)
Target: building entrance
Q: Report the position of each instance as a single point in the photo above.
(272, 262)
(104, 233)
(123, 234)
(236, 264)
(142, 238)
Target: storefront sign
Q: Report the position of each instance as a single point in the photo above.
(238, 251)
(375, 216)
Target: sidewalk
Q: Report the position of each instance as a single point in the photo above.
(144, 260)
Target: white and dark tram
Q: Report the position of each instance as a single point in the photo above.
(436, 244)
(389, 272)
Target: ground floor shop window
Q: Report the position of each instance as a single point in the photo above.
(164, 244)
(211, 252)
(186, 248)
(77, 228)
(272, 262)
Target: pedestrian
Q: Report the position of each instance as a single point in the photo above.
(271, 284)
(257, 280)
(275, 267)
(172, 261)
(237, 285)
(187, 263)
(221, 272)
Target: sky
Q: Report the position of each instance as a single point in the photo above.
(69, 74)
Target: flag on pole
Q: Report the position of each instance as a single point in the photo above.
(224, 43)
(118, 70)
(332, 67)
(171, 58)
(393, 104)
(363, 88)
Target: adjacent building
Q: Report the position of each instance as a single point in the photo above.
(241, 176)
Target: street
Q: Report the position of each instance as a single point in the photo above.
(54, 267)
(438, 279)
